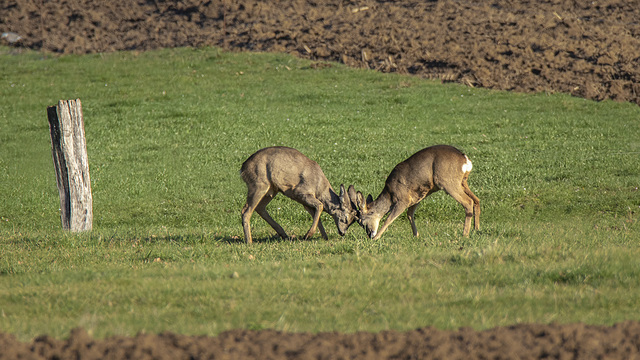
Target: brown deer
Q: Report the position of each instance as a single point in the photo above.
(286, 170)
(440, 167)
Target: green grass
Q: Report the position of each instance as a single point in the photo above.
(168, 130)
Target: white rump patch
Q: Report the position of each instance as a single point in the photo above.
(467, 166)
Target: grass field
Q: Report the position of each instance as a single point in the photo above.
(168, 130)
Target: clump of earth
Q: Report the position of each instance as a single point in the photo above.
(590, 49)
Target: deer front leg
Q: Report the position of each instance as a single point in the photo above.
(316, 209)
(320, 227)
(396, 210)
(411, 211)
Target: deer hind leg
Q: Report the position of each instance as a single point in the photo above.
(467, 202)
(255, 194)
(258, 197)
(411, 211)
(261, 209)
(396, 210)
(476, 204)
(320, 227)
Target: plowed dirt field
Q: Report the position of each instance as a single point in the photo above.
(590, 49)
(572, 341)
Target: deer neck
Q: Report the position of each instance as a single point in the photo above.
(382, 204)
(330, 202)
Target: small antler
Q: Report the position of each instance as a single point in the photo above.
(345, 200)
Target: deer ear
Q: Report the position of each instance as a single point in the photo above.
(362, 206)
(369, 199)
(353, 197)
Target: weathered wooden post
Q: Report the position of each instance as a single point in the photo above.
(69, 149)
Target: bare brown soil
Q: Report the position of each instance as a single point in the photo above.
(575, 341)
(590, 49)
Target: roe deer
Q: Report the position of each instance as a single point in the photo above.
(286, 170)
(440, 167)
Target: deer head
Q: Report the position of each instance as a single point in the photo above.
(365, 216)
(346, 214)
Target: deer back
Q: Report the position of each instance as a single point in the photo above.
(285, 169)
(427, 170)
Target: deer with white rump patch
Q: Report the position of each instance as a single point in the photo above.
(281, 169)
(440, 167)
